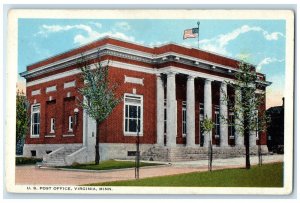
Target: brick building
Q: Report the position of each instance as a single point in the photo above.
(167, 89)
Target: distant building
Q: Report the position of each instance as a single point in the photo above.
(167, 89)
(275, 131)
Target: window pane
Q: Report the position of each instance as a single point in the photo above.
(126, 111)
(126, 125)
(132, 125)
(38, 129)
(132, 112)
(139, 112)
(35, 129)
(139, 125)
(35, 118)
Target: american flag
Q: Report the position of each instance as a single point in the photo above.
(191, 33)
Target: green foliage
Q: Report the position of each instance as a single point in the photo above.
(109, 164)
(207, 124)
(248, 101)
(27, 160)
(268, 175)
(99, 93)
(22, 116)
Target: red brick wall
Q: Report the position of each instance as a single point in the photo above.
(111, 130)
(50, 113)
(56, 109)
(262, 109)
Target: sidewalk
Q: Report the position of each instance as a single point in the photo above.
(30, 175)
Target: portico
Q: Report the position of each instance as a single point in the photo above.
(215, 108)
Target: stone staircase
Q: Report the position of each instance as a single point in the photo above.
(58, 157)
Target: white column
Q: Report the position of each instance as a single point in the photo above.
(159, 110)
(190, 112)
(171, 110)
(239, 134)
(207, 109)
(223, 115)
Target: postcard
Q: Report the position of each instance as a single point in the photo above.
(150, 101)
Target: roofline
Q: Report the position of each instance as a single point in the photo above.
(142, 45)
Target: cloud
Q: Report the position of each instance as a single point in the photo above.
(157, 43)
(98, 25)
(123, 26)
(218, 44)
(267, 61)
(89, 35)
(272, 36)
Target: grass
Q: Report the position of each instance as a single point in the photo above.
(27, 160)
(268, 175)
(108, 165)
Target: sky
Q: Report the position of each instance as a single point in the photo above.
(260, 42)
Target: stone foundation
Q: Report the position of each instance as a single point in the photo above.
(182, 153)
(42, 149)
(148, 152)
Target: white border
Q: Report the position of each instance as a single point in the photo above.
(12, 47)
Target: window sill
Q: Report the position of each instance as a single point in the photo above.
(35, 136)
(133, 134)
(49, 135)
(69, 135)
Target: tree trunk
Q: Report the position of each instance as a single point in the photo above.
(247, 148)
(246, 103)
(97, 153)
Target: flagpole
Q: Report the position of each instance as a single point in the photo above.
(198, 23)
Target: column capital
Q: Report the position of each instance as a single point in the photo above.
(158, 74)
(223, 83)
(191, 77)
(171, 73)
(208, 81)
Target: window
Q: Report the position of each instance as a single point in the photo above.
(183, 119)
(133, 114)
(33, 153)
(231, 128)
(52, 125)
(201, 119)
(70, 123)
(35, 120)
(217, 122)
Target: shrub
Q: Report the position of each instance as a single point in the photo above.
(27, 160)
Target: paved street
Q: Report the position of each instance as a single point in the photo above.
(32, 175)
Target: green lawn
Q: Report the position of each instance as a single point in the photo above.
(268, 175)
(109, 164)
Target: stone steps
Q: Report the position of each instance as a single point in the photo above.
(58, 158)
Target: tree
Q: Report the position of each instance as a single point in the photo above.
(207, 126)
(246, 106)
(22, 116)
(98, 95)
